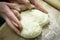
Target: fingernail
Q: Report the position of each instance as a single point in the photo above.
(44, 11)
(18, 33)
(16, 25)
(17, 8)
(19, 16)
(20, 26)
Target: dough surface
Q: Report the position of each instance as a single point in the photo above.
(32, 22)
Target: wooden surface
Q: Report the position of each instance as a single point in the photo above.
(7, 34)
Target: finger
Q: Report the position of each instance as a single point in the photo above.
(11, 15)
(14, 24)
(38, 6)
(19, 27)
(16, 13)
(22, 1)
(10, 24)
(23, 7)
(13, 6)
(25, 2)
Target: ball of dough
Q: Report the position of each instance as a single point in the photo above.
(32, 22)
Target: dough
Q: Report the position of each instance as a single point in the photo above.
(32, 21)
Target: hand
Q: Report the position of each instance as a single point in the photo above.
(34, 2)
(10, 12)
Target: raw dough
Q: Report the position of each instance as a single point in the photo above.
(32, 21)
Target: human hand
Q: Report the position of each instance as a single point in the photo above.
(10, 12)
(33, 2)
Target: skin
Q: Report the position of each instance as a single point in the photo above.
(10, 12)
(33, 2)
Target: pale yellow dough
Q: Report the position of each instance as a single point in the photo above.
(32, 21)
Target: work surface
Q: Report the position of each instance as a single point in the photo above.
(50, 32)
